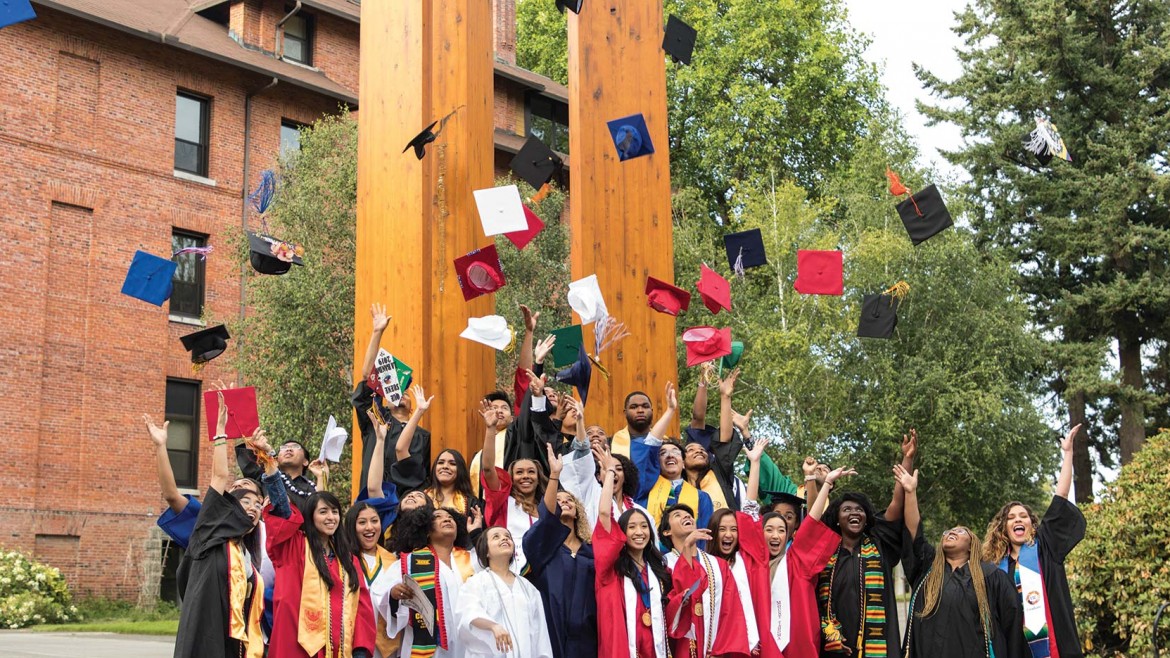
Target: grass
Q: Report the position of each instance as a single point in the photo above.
(107, 616)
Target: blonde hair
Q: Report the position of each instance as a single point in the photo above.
(932, 588)
(997, 543)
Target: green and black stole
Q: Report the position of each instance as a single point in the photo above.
(871, 632)
(422, 566)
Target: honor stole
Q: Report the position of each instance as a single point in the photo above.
(315, 618)
(246, 630)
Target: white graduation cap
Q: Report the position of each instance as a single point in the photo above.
(490, 330)
(334, 441)
(585, 298)
(500, 210)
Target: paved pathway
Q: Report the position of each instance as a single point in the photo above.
(26, 644)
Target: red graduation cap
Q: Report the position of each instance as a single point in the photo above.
(243, 419)
(714, 290)
(479, 272)
(665, 298)
(706, 344)
(522, 238)
(819, 272)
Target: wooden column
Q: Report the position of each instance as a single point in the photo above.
(620, 211)
(419, 61)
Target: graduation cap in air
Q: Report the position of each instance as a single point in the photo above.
(879, 313)
(243, 418)
(536, 163)
(923, 213)
(665, 298)
(631, 137)
(15, 11)
(579, 374)
(428, 135)
(745, 250)
(714, 290)
(150, 278)
(500, 210)
(207, 344)
(572, 5)
(706, 344)
(490, 330)
(679, 40)
(522, 238)
(272, 256)
(1045, 142)
(564, 350)
(819, 272)
(479, 272)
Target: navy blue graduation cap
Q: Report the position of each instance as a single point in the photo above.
(679, 40)
(150, 278)
(745, 250)
(15, 11)
(207, 344)
(535, 163)
(631, 137)
(578, 374)
(572, 5)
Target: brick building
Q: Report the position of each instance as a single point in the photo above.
(141, 124)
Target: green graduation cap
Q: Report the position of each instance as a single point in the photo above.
(732, 360)
(564, 352)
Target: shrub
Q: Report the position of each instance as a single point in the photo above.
(32, 593)
(1121, 571)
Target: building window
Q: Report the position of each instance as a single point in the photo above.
(548, 121)
(192, 125)
(183, 433)
(187, 296)
(290, 137)
(298, 39)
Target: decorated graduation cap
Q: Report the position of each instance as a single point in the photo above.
(585, 298)
(522, 238)
(535, 163)
(429, 134)
(1045, 142)
(15, 11)
(714, 290)
(819, 272)
(150, 278)
(666, 298)
(579, 374)
(679, 40)
(572, 5)
(243, 418)
(479, 272)
(500, 210)
(631, 137)
(490, 330)
(923, 213)
(706, 344)
(207, 344)
(879, 313)
(564, 350)
(745, 250)
(270, 255)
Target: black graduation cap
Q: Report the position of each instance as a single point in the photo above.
(572, 5)
(879, 316)
(535, 163)
(272, 256)
(924, 214)
(679, 41)
(207, 344)
(745, 250)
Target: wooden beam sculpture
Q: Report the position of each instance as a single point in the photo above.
(620, 213)
(420, 61)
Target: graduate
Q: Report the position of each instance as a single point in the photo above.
(960, 606)
(510, 497)
(561, 566)
(224, 593)
(425, 540)
(1032, 553)
(499, 614)
(632, 584)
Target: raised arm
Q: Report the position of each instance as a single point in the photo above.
(662, 425)
(166, 476)
(605, 505)
(220, 476)
(421, 404)
(754, 455)
(909, 451)
(911, 516)
(487, 458)
(1064, 481)
(699, 408)
(726, 390)
(378, 459)
(530, 319)
(381, 320)
(818, 507)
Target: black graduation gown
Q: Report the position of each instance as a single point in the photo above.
(954, 629)
(845, 590)
(406, 476)
(203, 580)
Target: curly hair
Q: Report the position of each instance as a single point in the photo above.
(829, 518)
(997, 544)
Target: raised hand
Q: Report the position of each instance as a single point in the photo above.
(1066, 444)
(530, 318)
(540, 352)
(910, 446)
(381, 320)
(727, 385)
(756, 451)
(157, 434)
(836, 473)
(908, 480)
(421, 401)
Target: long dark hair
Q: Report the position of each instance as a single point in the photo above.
(462, 476)
(625, 564)
(629, 475)
(251, 541)
(319, 544)
(350, 525)
(829, 518)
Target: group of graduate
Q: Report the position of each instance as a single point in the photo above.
(561, 539)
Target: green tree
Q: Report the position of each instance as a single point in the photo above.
(1089, 238)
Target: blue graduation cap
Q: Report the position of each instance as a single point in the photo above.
(631, 137)
(578, 374)
(15, 11)
(150, 278)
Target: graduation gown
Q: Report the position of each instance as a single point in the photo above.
(954, 628)
(846, 587)
(720, 630)
(566, 586)
(517, 608)
(205, 584)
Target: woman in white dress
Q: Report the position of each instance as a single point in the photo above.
(498, 614)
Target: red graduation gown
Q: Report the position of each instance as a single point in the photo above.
(286, 549)
(731, 636)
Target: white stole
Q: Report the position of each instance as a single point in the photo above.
(657, 618)
(780, 611)
(739, 572)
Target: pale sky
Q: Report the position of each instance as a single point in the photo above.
(904, 32)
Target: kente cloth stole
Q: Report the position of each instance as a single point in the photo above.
(871, 631)
(315, 618)
(664, 494)
(422, 566)
(241, 626)
(1030, 585)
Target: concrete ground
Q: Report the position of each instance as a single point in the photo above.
(26, 644)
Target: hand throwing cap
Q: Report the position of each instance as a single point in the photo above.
(535, 163)
(665, 298)
(706, 344)
(679, 40)
(879, 316)
(207, 344)
(479, 272)
(150, 278)
(631, 137)
(271, 256)
(745, 250)
(819, 272)
(714, 290)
